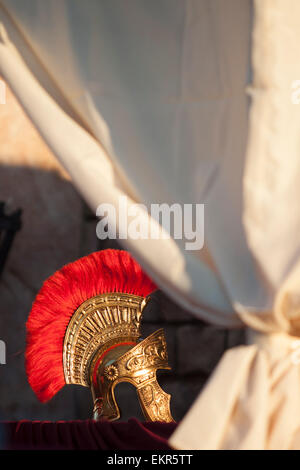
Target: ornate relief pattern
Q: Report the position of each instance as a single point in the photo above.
(101, 320)
(156, 402)
(138, 366)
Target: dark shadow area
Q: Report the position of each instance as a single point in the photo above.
(128, 402)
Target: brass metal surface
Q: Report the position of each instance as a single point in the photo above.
(137, 366)
(100, 322)
(102, 348)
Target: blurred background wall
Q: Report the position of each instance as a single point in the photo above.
(58, 228)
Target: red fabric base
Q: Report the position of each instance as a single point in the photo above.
(85, 435)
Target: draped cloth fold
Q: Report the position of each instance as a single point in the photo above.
(252, 401)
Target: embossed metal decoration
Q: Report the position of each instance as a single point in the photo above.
(102, 348)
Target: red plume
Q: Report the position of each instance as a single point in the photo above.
(61, 294)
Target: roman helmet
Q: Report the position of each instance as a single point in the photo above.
(84, 328)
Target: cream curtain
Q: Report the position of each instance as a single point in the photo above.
(189, 102)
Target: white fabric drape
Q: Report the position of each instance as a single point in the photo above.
(149, 99)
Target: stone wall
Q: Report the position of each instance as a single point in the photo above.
(32, 179)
